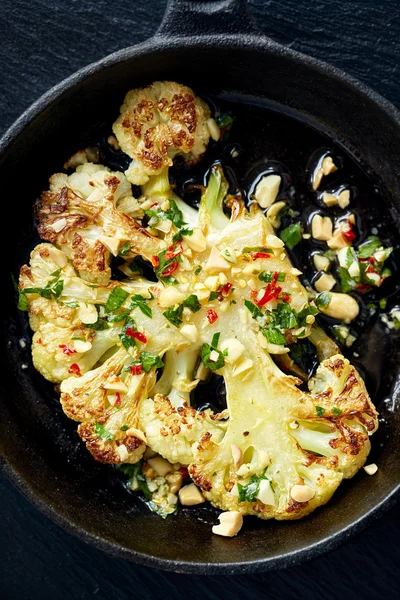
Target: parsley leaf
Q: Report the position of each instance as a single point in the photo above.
(346, 282)
(99, 325)
(173, 214)
(139, 302)
(116, 299)
(248, 492)
(117, 317)
(174, 315)
(336, 411)
(179, 235)
(206, 350)
(274, 335)
(256, 312)
(304, 313)
(192, 302)
(127, 340)
(323, 299)
(124, 250)
(198, 270)
(319, 410)
(23, 302)
(215, 339)
(267, 276)
(283, 316)
(103, 433)
(368, 248)
(291, 235)
(149, 360)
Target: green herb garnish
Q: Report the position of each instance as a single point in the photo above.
(174, 315)
(319, 410)
(150, 360)
(323, 299)
(103, 433)
(267, 276)
(249, 491)
(124, 250)
(336, 411)
(139, 302)
(291, 235)
(116, 299)
(192, 302)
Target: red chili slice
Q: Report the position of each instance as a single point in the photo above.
(118, 400)
(136, 369)
(155, 261)
(348, 233)
(75, 370)
(271, 292)
(67, 349)
(173, 251)
(363, 287)
(225, 289)
(136, 335)
(285, 297)
(170, 269)
(256, 255)
(211, 316)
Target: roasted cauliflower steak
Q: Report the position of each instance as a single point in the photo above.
(127, 354)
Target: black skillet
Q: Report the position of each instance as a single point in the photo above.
(214, 47)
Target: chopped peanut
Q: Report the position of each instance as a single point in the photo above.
(302, 493)
(230, 524)
(190, 495)
(321, 228)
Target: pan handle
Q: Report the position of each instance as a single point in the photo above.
(205, 17)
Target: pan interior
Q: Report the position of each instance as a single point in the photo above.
(272, 99)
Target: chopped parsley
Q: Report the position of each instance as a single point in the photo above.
(336, 411)
(173, 214)
(117, 317)
(273, 335)
(206, 351)
(124, 250)
(124, 427)
(116, 299)
(135, 474)
(139, 302)
(249, 491)
(100, 324)
(323, 299)
(368, 248)
(255, 311)
(319, 410)
(291, 235)
(179, 235)
(174, 315)
(162, 266)
(198, 270)
(127, 340)
(192, 302)
(267, 276)
(103, 433)
(150, 360)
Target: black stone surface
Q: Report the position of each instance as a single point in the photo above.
(44, 41)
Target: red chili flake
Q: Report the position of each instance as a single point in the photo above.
(285, 297)
(256, 255)
(184, 472)
(67, 349)
(154, 204)
(271, 292)
(118, 400)
(348, 232)
(253, 294)
(170, 269)
(173, 251)
(363, 287)
(371, 260)
(136, 369)
(74, 370)
(155, 261)
(136, 335)
(225, 289)
(211, 316)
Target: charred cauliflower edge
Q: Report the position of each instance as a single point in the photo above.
(226, 300)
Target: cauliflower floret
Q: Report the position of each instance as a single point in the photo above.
(171, 431)
(159, 122)
(79, 214)
(105, 401)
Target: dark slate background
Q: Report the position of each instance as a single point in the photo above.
(43, 41)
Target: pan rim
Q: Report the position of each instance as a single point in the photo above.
(161, 43)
